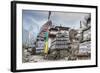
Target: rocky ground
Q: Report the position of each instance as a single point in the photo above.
(36, 58)
(53, 56)
(29, 57)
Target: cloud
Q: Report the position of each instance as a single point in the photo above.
(70, 19)
(31, 23)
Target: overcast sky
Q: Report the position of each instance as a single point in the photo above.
(33, 20)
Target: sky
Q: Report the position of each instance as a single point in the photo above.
(33, 21)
